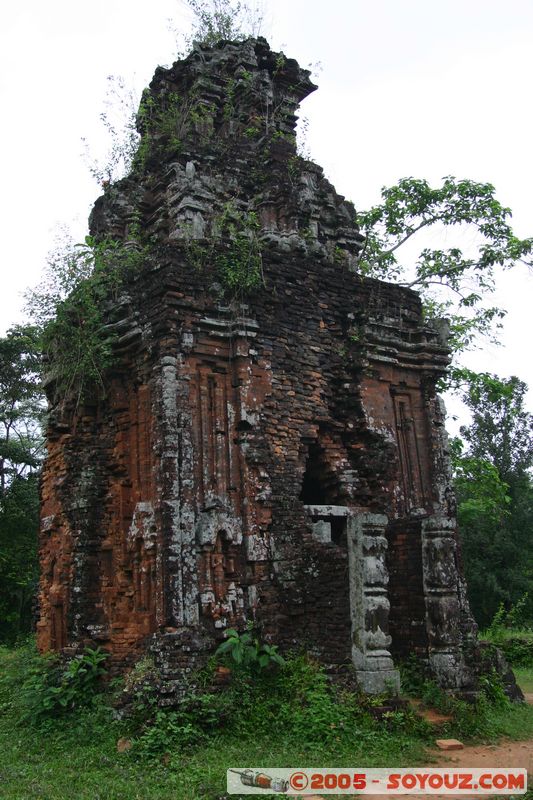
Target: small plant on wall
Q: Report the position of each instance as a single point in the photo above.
(241, 267)
(234, 247)
(245, 650)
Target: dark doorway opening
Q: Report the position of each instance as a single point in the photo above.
(319, 485)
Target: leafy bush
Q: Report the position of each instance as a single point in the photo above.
(197, 717)
(247, 651)
(511, 630)
(493, 689)
(516, 645)
(467, 719)
(413, 675)
(298, 700)
(52, 689)
(516, 617)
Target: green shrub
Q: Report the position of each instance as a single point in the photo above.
(51, 688)
(517, 617)
(517, 646)
(246, 650)
(413, 675)
(467, 719)
(511, 630)
(298, 700)
(197, 717)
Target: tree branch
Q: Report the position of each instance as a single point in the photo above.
(407, 237)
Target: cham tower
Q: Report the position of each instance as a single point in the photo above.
(267, 445)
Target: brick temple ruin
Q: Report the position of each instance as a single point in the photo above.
(269, 446)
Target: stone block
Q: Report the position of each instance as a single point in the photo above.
(449, 744)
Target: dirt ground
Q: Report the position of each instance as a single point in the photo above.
(505, 755)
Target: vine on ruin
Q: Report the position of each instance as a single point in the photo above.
(240, 267)
(234, 247)
(81, 283)
(161, 124)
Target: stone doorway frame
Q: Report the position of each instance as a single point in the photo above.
(369, 602)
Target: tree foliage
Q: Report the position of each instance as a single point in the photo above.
(21, 449)
(19, 571)
(501, 430)
(492, 478)
(453, 280)
(21, 404)
(494, 490)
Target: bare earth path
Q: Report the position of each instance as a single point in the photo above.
(505, 754)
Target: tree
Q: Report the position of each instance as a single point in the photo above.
(501, 431)
(20, 404)
(495, 494)
(452, 282)
(21, 448)
(19, 567)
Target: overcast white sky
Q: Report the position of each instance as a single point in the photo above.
(408, 87)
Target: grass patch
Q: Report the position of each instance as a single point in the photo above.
(514, 721)
(284, 719)
(524, 678)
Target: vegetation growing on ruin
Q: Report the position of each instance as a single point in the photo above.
(240, 266)
(233, 247)
(82, 283)
(164, 121)
(163, 125)
(213, 20)
(156, 121)
(184, 752)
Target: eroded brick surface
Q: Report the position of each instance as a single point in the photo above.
(276, 455)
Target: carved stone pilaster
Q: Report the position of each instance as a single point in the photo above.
(440, 578)
(369, 603)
